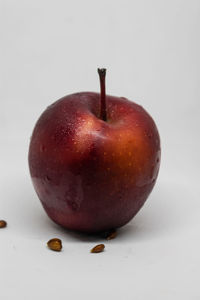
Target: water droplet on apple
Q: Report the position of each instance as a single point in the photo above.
(42, 148)
(149, 134)
(47, 178)
(73, 205)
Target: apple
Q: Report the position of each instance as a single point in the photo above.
(94, 160)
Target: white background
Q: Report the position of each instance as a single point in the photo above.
(151, 49)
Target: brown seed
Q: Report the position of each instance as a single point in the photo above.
(3, 224)
(111, 235)
(98, 248)
(55, 244)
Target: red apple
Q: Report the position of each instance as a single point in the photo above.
(94, 160)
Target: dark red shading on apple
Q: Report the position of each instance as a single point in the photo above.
(94, 160)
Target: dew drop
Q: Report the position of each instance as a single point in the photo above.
(73, 205)
(47, 178)
(42, 148)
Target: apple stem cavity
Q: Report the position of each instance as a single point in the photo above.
(103, 112)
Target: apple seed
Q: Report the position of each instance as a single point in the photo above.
(3, 224)
(111, 235)
(98, 248)
(55, 244)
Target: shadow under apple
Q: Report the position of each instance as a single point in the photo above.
(165, 211)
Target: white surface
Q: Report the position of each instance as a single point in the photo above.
(151, 49)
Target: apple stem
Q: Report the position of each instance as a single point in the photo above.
(102, 76)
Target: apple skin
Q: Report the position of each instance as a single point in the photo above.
(92, 175)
